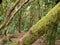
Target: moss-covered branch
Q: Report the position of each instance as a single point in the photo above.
(46, 23)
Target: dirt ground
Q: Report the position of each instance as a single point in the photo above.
(41, 41)
(17, 36)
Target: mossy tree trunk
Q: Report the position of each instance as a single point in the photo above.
(46, 23)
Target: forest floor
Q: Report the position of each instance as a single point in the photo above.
(17, 36)
(41, 41)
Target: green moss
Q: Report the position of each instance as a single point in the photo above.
(32, 37)
(50, 17)
(28, 41)
(15, 43)
(43, 25)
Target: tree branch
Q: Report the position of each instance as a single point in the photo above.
(13, 7)
(8, 14)
(14, 13)
(6, 22)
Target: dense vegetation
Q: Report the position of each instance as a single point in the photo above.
(19, 16)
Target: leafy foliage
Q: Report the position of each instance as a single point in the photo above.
(27, 16)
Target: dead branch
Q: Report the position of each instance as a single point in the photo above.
(6, 22)
(12, 8)
(14, 13)
(8, 12)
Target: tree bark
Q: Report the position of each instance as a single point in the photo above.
(43, 25)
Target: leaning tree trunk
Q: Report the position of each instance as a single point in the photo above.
(46, 23)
